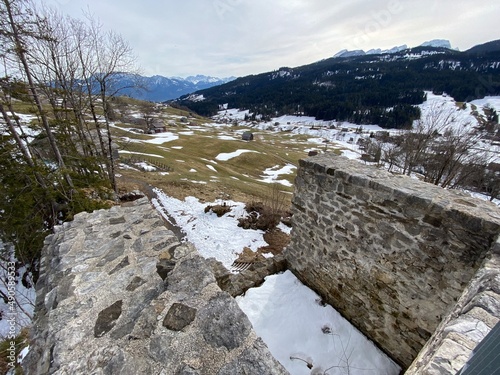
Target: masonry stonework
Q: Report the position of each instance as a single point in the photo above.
(391, 253)
(119, 294)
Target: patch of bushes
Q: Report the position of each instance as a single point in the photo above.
(219, 210)
(260, 217)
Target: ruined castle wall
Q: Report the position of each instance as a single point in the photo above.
(118, 294)
(475, 314)
(391, 253)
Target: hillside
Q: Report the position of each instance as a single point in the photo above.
(485, 48)
(380, 89)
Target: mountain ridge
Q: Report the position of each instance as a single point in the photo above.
(438, 43)
(158, 88)
(381, 89)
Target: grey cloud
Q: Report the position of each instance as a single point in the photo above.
(239, 37)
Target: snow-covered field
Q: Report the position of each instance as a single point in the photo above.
(299, 330)
(284, 312)
(327, 134)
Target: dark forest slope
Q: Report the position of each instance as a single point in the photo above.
(379, 89)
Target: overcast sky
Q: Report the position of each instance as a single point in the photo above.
(240, 37)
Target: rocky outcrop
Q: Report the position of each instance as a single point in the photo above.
(391, 253)
(118, 294)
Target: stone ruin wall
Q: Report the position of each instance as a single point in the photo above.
(397, 257)
(118, 294)
(400, 259)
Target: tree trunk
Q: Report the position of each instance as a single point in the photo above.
(21, 55)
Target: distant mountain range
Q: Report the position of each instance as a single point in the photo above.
(438, 43)
(158, 88)
(381, 87)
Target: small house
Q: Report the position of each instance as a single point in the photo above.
(247, 136)
(157, 126)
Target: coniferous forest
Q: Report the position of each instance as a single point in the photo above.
(370, 89)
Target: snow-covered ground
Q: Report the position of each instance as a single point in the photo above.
(343, 134)
(271, 175)
(220, 238)
(231, 155)
(284, 312)
(327, 135)
(300, 330)
(20, 312)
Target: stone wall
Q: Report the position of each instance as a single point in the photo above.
(391, 253)
(475, 314)
(118, 294)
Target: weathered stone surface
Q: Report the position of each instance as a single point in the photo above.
(248, 363)
(103, 307)
(223, 323)
(107, 318)
(391, 253)
(476, 312)
(238, 283)
(164, 267)
(135, 283)
(178, 317)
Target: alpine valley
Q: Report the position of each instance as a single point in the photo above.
(376, 87)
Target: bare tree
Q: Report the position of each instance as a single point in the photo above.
(452, 153)
(15, 30)
(113, 56)
(441, 146)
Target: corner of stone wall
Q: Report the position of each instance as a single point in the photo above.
(473, 317)
(391, 253)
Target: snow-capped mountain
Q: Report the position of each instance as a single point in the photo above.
(346, 53)
(361, 88)
(437, 43)
(378, 51)
(159, 88)
(200, 79)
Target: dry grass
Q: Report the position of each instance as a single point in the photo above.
(191, 159)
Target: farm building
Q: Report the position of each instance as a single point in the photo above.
(247, 136)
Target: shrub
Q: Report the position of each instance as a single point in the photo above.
(219, 210)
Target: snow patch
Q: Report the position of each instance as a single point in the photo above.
(271, 174)
(218, 237)
(297, 327)
(231, 155)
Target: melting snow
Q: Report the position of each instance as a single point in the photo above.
(271, 174)
(297, 327)
(212, 168)
(139, 153)
(231, 155)
(160, 138)
(218, 237)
